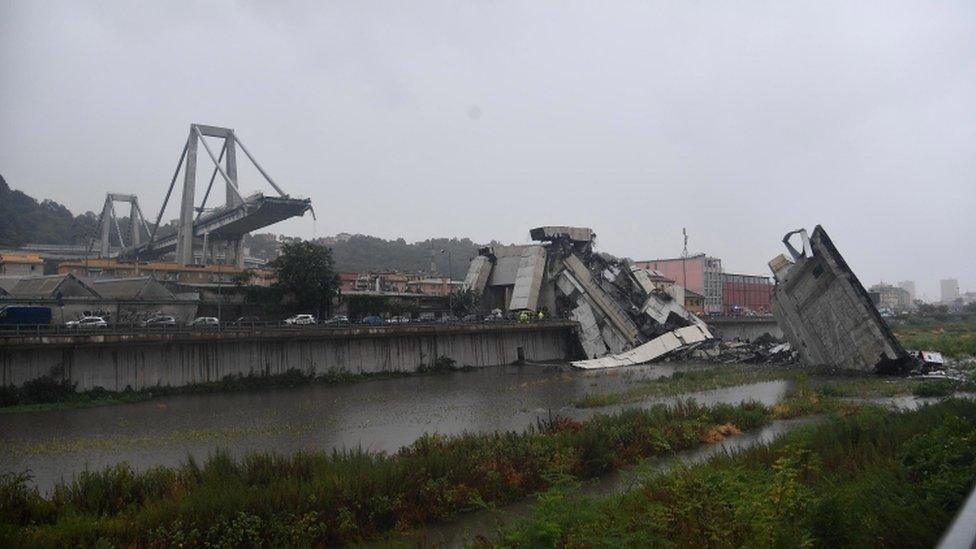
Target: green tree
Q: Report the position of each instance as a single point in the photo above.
(464, 302)
(306, 272)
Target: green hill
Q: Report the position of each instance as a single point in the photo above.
(23, 219)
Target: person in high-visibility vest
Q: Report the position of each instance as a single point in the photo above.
(542, 315)
(524, 317)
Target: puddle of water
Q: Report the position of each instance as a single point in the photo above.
(380, 415)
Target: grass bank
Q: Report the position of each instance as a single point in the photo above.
(871, 478)
(688, 382)
(340, 497)
(47, 393)
(951, 338)
(853, 385)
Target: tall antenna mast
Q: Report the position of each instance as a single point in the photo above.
(684, 268)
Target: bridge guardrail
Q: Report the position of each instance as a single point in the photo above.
(46, 330)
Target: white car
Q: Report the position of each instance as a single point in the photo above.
(205, 322)
(300, 320)
(87, 322)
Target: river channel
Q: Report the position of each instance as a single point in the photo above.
(378, 415)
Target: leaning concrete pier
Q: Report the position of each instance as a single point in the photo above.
(116, 361)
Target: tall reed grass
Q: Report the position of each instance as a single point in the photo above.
(340, 497)
(868, 479)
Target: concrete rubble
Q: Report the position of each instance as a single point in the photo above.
(765, 351)
(826, 314)
(624, 316)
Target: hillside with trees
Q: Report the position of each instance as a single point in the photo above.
(24, 220)
(360, 253)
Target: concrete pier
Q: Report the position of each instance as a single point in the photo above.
(115, 361)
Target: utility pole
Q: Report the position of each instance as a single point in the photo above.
(684, 257)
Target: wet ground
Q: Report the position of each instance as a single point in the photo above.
(467, 527)
(380, 415)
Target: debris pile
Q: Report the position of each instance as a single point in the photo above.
(736, 352)
(626, 314)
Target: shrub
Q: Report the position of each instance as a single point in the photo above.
(934, 388)
(46, 389)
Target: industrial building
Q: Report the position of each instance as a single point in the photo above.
(124, 301)
(21, 264)
(166, 271)
(699, 273)
(746, 295)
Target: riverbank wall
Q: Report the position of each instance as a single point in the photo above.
(116, 361)
(744, 328)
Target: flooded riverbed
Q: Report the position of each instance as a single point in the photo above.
(380, 415)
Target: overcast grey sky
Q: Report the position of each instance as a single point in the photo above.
(738, 120)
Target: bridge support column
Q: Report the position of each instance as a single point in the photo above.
(238, 246)
(106, 227)
(134, 214)
(233, 190)
(184, 233)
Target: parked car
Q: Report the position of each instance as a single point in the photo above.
(245, 320)
(338, 319)
(87, 322)
(427, 317)
(470, 318)
(300, 320)
(399, 320)
(160, 321)
(373, 321)
(204, 322)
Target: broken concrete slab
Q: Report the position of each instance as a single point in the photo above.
(528, 279)
(654, 349)
(825, 312)
(619, 307)
(478, 273)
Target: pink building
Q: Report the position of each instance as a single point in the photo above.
(699, 273)
(347, 281)
(433, 286)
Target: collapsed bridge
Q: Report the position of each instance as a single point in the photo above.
(198, 225)
(625, 314)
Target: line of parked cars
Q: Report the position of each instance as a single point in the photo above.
(303, 319)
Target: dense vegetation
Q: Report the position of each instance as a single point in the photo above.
(730, 375)
(305, 272)
(24, 219)
(360, 253)
(872, 479)
(322, 497)
(954, 336)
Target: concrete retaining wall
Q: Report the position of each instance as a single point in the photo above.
(744, 328)
(115, 363)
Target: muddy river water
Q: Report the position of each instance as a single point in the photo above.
(379, 415)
